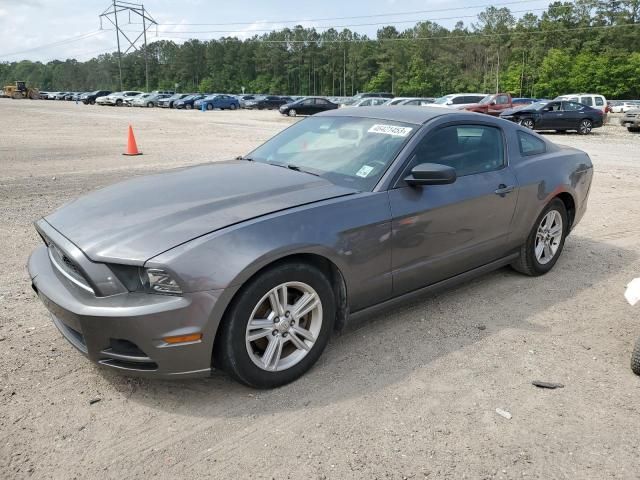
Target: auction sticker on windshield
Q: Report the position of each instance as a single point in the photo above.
(364, 171)
(391, 130)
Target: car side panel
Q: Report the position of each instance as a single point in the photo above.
(353, 232)
(543, 177)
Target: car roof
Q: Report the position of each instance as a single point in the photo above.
(407, 114)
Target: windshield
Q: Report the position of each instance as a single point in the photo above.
(443, 100)
(535, 106)
(486, 100)
(347, 151)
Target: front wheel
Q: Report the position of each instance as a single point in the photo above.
(150, 105)
(119, 103)
(544, 244)
(292, 112)
(278, 326)
(209, 106)
(585, 126)
(635, 359)
(232, 106)
(527, 123)
(188, 106)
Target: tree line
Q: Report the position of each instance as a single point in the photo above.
(587, 45)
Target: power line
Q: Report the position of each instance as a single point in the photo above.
(413, 12)
(447, 37)
(66, 41)
(326, 27)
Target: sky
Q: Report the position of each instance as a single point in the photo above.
(46, 30)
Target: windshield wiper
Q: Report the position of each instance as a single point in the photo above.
(298, 169)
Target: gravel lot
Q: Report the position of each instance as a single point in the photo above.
(411, 393)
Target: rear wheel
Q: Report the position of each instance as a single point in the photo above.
(150, 105)
(278, 326)
(92, 102)
(292, 112)
(119, 103)
(188, 106)
(635, 359)
(544, 244)
(585, 126)
(209, 106)
(633, 129)
(232, 106)
(527, 123)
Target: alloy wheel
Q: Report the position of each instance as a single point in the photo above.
(292, 112)
(548, 237)
(284, 326)
(527, 123)
(585, 127)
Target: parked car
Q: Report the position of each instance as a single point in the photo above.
(458, 100)
(168, 102)
(187, 102)
(356, 98)
(369, 102)
(60, 95)
(43, 95)
(148, 100)
(245, 98)
(523, 101)
(218, 100)
(342, 213)
(589, 99)
(556, 115)
(270, 102)
(307, 106)
(419, 102)
(117, 98)
(90, 98)
(624, 107)
(631, 120)
(52, 95)
(492, 104)
(128, 101)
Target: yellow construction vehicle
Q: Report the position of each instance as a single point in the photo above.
(20, 90)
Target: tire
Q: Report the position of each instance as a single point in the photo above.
(188, 106)
(118, 103)
(529, 262)
(635, 359)
(241, 357)
(233, 106)
(150, 105)
(585, 126)
(633, 129)
(209, 106)
(292, 112)
(527, 123)
(92, 102)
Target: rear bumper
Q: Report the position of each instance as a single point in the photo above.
(125, 332)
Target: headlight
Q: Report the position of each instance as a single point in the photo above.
(156, 280)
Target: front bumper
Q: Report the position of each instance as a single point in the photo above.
(633, 122)
(125, 331)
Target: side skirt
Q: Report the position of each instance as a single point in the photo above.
(435, 287)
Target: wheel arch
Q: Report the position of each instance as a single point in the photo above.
(324, 264)
(569, 204)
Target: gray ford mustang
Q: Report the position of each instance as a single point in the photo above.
(249, 265)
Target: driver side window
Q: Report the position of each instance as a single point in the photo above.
(470, 149)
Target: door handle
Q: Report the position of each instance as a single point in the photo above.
(504, 189)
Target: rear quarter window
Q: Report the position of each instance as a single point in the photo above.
(530, 145)
(599, 101)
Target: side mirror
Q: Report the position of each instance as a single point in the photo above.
(493, 103)
(431, 174)
(449, 102)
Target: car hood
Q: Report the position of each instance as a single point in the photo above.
(520, 109)
(135, 220)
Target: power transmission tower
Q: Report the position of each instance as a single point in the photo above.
(111, 14)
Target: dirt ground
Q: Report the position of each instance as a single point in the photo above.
(411, 393)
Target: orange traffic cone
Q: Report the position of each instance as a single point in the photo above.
(132, 148)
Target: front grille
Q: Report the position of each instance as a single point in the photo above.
(67, 266)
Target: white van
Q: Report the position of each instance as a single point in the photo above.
(592, 100)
